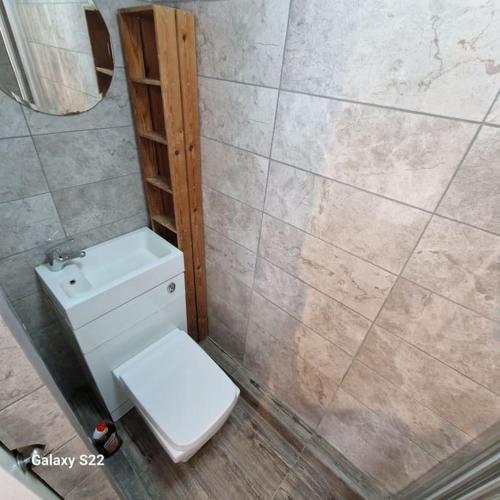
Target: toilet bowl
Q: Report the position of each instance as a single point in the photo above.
(181, 393)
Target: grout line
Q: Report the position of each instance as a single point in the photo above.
(233, 146)
(284, 311)
(444, 297)
(290, 7)
(400, 274)
(412, 397)
(410, 255)
(79, 130)
(330, 179)
(243, 247)
(48, 186)
(350, 101)
(392, 273)
(16, 136)
(229, 80)
(96, 182)
(357, 313)
(438, 360)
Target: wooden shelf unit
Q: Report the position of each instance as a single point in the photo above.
(159, 51)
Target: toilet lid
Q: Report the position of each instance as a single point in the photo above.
(178, 388)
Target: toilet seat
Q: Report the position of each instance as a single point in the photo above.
(180, 391)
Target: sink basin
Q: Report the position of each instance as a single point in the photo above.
(111, 274)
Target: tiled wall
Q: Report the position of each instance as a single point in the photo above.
(351, 172)
(64, 177)
(30, 414)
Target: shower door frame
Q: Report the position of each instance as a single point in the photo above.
(470, 473)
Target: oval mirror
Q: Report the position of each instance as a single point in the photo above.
(55, 56)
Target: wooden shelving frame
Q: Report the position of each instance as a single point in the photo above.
(160, 59)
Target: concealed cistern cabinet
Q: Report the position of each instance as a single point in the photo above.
(126, 294)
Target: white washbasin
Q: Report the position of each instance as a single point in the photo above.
(111, 274)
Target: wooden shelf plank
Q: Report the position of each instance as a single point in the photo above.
(146, 81)
(104, 71)
(154, 136)
(165, 221)
(160, 182)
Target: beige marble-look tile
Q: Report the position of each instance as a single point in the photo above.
(381, 231)
(63, 479)
(237, 114)
(242, 40)
(328, 359)
(459, 400)
(234, 172)
(437, 58)
(352, 281)
(460, 338)
(235, 259)
(461, 263)
(292, 379)
(494, 114)
(474, 194)
(46, 425)
(93, 487)
(403, 156)
(327, 317)
(238, 221)
(228, 288)
(17, 375)
(400, 411)
(366, 439)
(232, 341)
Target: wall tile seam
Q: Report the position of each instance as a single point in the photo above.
(357, 188)
(396, 432)
(47, 181)
(29, 134)
(79, 131)
(70, 131)
(307, 327)
(466, 307)
(337, 301)
(51, 191)
(136, 174)
(392, 273)
(243, 247)
(430, 355)
(353, 101)
(374, 322)
(399, 276)
(411, 397)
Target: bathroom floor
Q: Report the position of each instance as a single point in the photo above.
(261, 452)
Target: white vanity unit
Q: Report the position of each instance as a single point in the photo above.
(122, 296)
(124, 304)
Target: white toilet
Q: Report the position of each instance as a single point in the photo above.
(181, 393)
(128, 322)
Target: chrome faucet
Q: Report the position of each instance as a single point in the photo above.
(56, 259)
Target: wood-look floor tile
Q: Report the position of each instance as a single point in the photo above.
(312, 480)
